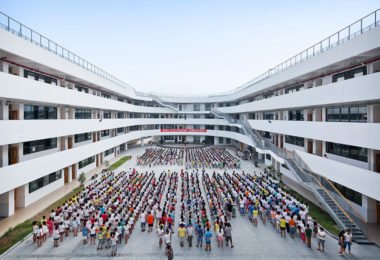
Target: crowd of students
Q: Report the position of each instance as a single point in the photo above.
(104, 213)
(210, 157)
(161, 156)
(191, 158)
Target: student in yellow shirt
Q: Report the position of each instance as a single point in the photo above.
(182, 235)
(283, 227)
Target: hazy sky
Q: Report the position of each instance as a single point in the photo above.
(189, 46)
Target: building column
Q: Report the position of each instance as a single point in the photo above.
(370, 209)
(7, 204)
(5, 67)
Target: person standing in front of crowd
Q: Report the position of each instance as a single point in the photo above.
(321, 239)
(309, 233)
(347, 241)
(181, 235)
(341, 242)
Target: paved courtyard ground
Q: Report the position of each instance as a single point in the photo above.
(250, 242)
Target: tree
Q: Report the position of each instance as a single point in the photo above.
(82, 178)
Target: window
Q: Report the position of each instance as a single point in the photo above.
(81, 89)
(39, 145)
(347, 114)
(295, 140)
(294, 89)
(39, 112)
(268, 157)
(349, 194)
(105, 95)
(120, 130)
(44, 181)
(268, 115)
(208, 107)
(197, 107)
(86, 162)
(82, 137)
(220, 140)
(196, 116)
(120, 115)
(348, 151)
(105, 133)
(39, 77)
(108, 152)
(349, 74)
(107, 114)
(296, 115)
(82, 114)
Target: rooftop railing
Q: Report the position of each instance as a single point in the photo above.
(355, 29)
(34, 37)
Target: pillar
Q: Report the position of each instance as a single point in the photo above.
(370, 209)
(7, 203)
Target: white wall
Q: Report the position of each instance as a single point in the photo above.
(338, 132)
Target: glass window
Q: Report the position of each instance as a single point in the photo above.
(82, 137)
(105, 133)
(39, 145)
(86, 162)
(32, 112)
(43, 181)
(344, 114)
(348, 151)
(295, 140)
(83, 114)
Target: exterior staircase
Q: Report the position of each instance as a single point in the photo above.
(162, 103)
(321, 187)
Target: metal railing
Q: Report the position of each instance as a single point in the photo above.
(38, 39)
(340, 201)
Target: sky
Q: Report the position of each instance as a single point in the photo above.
(182, 47)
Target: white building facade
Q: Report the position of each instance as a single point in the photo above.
(60, 116)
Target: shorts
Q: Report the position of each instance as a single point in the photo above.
(56, 238)
(208, 242)
(321, 242)
(93, 235)
(150, 225)
(282, 228)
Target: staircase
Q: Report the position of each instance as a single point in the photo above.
(321, 190)
(162, 103)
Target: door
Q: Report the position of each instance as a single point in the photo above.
(310, 146)
(73, 172)
(13, 154)
(377, 163)
(66, 175)
(70, 142)
(13, 115)
(281, 141)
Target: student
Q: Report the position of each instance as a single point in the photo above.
(150, 221)
(50, 225)
(92, 235)
(220, 237)
(45, 231)
(321, 239)
(161, 234)
(309, 233)
(292, 226)
(182, 235)
(199, 233)
(56, 236)
(189, 233)
(228, 235)
(35, 231)
(84, 235)
(208, 236)
(347, 241)
(168, 237)
(143, 221)
(283, 227)
(113, 244)
(341, 243)
(169, 252)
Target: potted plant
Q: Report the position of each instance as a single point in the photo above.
(82, 178)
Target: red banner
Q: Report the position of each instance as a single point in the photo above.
(184, 130)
